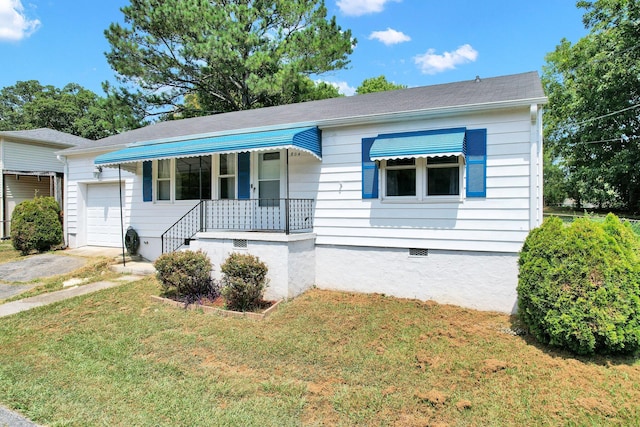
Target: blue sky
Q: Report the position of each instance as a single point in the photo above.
(411, 42)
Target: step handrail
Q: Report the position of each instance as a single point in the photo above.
(179, 233)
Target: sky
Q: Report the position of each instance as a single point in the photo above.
(410, 42)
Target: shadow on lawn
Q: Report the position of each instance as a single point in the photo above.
(521, 329)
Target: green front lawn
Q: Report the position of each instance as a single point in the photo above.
(7, 253)
(325, 358)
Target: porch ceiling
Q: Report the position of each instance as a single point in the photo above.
(302, 139)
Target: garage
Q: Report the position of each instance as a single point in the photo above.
(17, 189)
(103, 215)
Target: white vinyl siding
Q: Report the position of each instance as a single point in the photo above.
(30, 157)
(499, 222)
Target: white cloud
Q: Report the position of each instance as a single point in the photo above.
(389, 36)
(431, 63)
(361, 7)
(343, 87)
(14, 24)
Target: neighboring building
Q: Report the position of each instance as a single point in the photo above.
(424, 193)
(29, 168)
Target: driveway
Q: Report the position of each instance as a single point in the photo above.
(15, 275)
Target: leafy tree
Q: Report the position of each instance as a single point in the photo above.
(72, 109)
(593, 117)
(231, 54)
(555, 182)
(192, 107)
(377, 84)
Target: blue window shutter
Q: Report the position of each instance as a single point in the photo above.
(369, 171)
(147, 181)
(244, 175)
(476, 158)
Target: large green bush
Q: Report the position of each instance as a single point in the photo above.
(186, 275)
(36, 225)
(244, 281)
(579, 286)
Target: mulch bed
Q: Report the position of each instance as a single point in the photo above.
(216, 306)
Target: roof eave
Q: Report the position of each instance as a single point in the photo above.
(438, 111)
(331, 123)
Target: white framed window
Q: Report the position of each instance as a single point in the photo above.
(163, 179)
(443, 176)
(227, 176)
(193, 178)
(187, 178)
(401, 178)
(434, 179)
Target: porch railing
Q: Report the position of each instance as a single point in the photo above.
(278, 215)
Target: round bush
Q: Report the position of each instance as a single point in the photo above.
(36, 225)
(187, 274)
(244, 281)
(579, 286)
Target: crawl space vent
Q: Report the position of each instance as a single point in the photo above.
(240, 243)
(418, 252)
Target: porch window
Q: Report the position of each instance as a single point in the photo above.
(227, 176)
(443, 176)
(163, 180)
(193, 178)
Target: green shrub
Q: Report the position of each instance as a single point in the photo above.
(244, 281)
(36, 225)
(579, 286)
(187, 275)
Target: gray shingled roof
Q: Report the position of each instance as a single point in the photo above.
(518, 87)
(51, 136)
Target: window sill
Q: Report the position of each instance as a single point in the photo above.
(425, 200)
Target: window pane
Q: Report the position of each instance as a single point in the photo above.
(443, 181)
(164, 168)
(269, 166)
(269, 190)
(401, 182)
(442, 160)
(401, 162)
(227, 164)
(164, 190)
(193, 178)
(228, 188)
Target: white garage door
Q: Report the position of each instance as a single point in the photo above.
(103, 215)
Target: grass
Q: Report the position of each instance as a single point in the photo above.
(325, 358)
(7, 253)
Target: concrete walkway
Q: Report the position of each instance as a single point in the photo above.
(133, 270)
(14, 307)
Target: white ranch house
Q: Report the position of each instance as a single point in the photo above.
(424, 193)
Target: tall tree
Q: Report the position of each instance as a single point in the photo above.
(592, 119)
(72, 109)
(377, 84)
(232, 54)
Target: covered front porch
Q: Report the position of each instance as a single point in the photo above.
(238, 215)
(237, 182)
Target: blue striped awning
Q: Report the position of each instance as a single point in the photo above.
(432, 143)
(302, 139)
